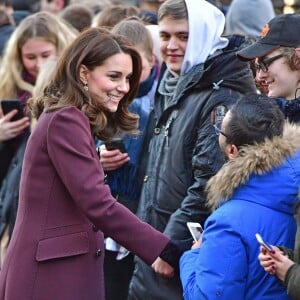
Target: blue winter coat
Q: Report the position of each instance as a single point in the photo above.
(226, 265)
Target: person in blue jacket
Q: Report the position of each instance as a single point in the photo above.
(200, 78)
(254, 192)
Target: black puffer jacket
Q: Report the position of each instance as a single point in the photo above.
(9, 192)
(290, 108)
(183, 154)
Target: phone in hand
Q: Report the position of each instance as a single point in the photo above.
(195, 230)
(266, 245)
(115, 144)
(8, 105)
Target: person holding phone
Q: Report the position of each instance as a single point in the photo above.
(34, 42)
(120, 158)
(38, 38)
(284, 263)
(277, 59)
(200, 79)
(255, 191)
(65, 206)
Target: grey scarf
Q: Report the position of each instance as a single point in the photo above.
(167, 86)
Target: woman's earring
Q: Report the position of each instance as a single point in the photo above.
(85, 87)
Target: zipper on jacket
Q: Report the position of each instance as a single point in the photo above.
(168, 125)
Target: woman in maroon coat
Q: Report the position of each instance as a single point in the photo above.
(56, 251)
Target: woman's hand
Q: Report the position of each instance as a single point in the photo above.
(163, 268)
(197, 244)
(11, 129)
(266, 260)
(282, 264)
(112, 159)
(275, 263)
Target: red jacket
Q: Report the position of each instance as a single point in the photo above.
(56, 251)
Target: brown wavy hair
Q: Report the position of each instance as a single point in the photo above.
(91, 48)
(292, 59)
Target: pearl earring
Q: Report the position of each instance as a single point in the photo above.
(85, 87)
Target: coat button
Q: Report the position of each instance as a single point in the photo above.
(156, 130)
(98, 253)
(95, 229)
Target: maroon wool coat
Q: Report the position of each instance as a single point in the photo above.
(56, 251)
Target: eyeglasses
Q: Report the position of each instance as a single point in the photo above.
(218, 130)
(264, 64)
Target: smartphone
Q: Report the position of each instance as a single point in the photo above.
(8, 105)
(195, 230)
(115, 144)
(266, 245)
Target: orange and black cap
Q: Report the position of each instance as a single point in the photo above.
(283, 30)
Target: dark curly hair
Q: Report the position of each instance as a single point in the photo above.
(254, 118)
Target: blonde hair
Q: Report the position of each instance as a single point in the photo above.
(39, 25)
(43, 79)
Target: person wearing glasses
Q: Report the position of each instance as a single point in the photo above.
(254, 192)
(277, 59)
(197, 85)
(277, 56)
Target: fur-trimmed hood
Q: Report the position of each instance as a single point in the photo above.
(251, 172)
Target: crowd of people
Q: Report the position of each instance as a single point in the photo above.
(138, 117)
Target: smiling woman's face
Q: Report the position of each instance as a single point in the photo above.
(109, 83)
